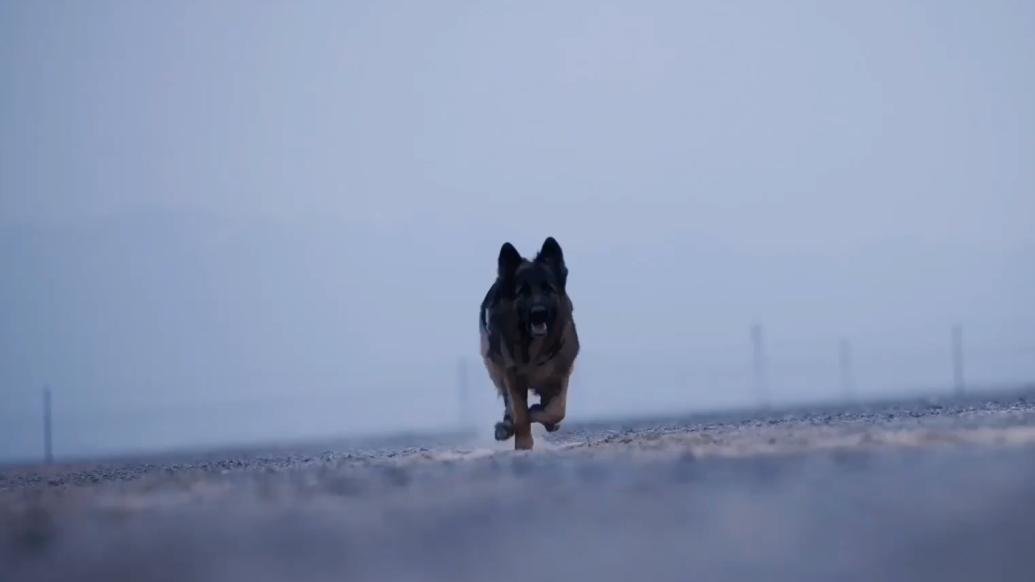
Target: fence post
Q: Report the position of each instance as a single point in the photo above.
(758, 361)
(48, 451)
(463, 395)
(957, 359)
(844, 364)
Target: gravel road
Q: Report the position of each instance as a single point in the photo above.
(918, 490)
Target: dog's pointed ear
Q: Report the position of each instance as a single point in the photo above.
(509, 261)
(552, 256)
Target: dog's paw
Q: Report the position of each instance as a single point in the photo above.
(523, 443)
(535, 411)
(504, 430)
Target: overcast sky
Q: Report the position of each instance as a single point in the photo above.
(233, 222)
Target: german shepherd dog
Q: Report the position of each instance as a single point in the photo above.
(528, 340)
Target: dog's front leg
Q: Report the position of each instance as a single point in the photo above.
(550, 412)
(517, 390)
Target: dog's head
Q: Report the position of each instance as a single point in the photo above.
(536, 287)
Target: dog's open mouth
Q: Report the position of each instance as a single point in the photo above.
(537, 321)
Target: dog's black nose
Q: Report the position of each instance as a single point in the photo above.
(537, 315)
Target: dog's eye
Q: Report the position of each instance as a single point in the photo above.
(523, 289)
(547, 288)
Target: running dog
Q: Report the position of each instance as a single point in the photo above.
(528, 340)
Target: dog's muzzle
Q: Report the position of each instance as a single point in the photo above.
(537, 323)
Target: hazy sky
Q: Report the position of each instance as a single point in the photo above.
(240, 221)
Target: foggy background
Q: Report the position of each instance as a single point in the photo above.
(244, 222)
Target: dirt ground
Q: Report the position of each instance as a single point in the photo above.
(919, 490)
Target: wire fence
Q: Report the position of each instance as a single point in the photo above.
(450, 394)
